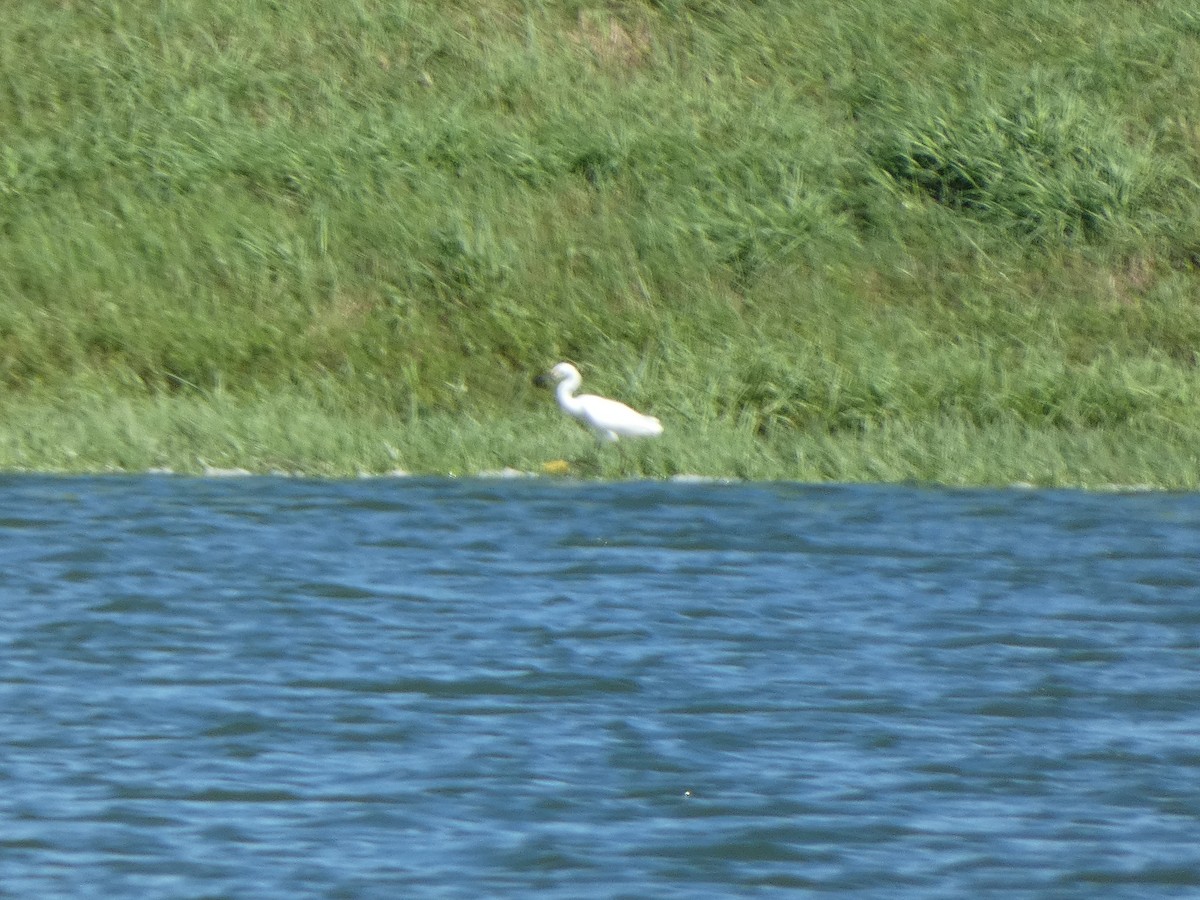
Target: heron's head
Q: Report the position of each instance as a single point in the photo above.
(561, 372)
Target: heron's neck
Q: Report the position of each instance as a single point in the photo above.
(565, 393)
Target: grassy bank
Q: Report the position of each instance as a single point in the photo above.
(940, 241)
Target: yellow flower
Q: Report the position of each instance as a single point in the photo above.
(556, 467)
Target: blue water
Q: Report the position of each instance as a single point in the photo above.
(281, 688)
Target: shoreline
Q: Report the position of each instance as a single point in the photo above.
(569, 479)
(293, 434)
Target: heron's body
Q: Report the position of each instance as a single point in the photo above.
(609, 419)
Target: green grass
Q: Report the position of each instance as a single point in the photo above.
(923, 241)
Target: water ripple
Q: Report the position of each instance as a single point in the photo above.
(282, 687)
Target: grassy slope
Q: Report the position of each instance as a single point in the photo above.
(942, 240)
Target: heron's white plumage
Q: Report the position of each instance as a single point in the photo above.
(610, 419)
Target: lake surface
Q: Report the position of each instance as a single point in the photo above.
(281, 688)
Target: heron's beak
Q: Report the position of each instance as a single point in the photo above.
(544, 380)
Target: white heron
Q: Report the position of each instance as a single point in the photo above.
(610, 419)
